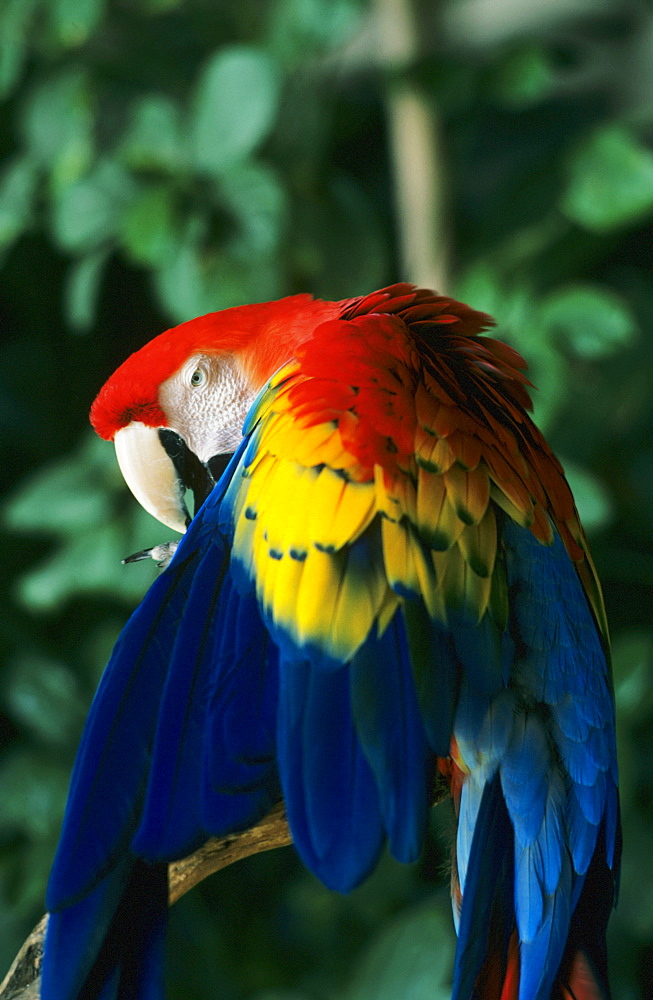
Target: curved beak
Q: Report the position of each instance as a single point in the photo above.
(159, 468)
(151, 475)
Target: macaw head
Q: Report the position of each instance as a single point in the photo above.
(176, 407)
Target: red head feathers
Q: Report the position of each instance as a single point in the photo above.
(261, 337)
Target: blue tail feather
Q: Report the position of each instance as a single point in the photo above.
(488, 891)
(541, 956)
(554, 798)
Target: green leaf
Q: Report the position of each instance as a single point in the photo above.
(17, 189)
(197, 281)
(252, 192)
(632, 656)
(525, 77)
(15, 23)
(234, 107)
(180, 282)
(57, 125)
(76, 499)
(154, 138)
(594, 322)
(480, 284)
(149, 227)
(413, 958)
(32, 791)
(42, 695)
(594, 503)
(307, 27)
(338, 245)
(65, 497)
(89, 212)
(74, 21)
(88, 563)
(610, 181)
(82, 290)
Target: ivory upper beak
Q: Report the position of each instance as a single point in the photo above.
(151, 475)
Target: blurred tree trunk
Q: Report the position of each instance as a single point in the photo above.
(415, 151)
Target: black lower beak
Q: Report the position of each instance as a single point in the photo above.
(218, 464)
(194, 475)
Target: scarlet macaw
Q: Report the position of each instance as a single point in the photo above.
(389, 578)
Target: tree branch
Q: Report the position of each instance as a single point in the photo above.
(22, 982)
(271, 832)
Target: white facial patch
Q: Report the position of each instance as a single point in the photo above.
(206, 403)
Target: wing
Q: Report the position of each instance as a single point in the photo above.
(179, 745)
(418, 560)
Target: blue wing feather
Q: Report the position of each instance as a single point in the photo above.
(108, 910)
(111, 770)
(388, 723)
(171, 825)
(540, 957)
(110, 944)
(240, 779)
(328, 786)
(436, 673)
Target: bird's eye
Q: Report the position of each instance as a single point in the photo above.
(198, 377)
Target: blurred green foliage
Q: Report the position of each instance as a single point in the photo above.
(165, 158)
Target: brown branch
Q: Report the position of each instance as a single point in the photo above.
(22, 982)
(271, 832)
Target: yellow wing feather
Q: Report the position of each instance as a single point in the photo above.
(436, 516)
(340, 510)
(336, 543)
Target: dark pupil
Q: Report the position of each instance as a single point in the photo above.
(196, 378)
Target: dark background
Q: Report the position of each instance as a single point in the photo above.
(165, 158)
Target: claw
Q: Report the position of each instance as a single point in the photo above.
(162, 554)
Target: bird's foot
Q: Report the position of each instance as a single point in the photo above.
(162, 554)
